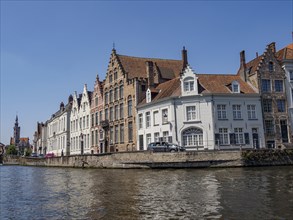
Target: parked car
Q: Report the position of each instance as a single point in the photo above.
(49, 155)
(41, 156)
(164, 147)
(34, 155)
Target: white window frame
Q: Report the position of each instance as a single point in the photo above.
(251, 111)
(222, 111)
(147, 119)
(237, 114)
(224, 136)
(239, 135)
(191, 114)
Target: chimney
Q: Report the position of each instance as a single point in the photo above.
(184, 57)
(256, 54)
(150, 73)
(242, 59)
(272, 47)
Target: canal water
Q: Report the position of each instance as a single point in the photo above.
(66, 193)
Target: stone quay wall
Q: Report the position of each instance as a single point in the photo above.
(144, 159)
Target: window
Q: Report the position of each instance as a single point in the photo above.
(281, 105)
(251, 112)
(235, 87)
(116, 93)
(156, 118)
(148, 96)
(147, 119)
(157, 136)
(271, 66)
(148, 139)
(101, 134)
(111, 113)
(130, 132)
(83, 122)
(165, 116)
(192, 137)
(116, 134)
(279, 85)
(95, 138)
(224, 140)
(106, 97)
(143, 88)
(190, 113)
(111, 135)
(96, 101)
(237, 112)
(121, 111)
(188, 84)
(121, 133)
(140, 121)
(221, 109)
(111, 95)
(116, 112)
(269, 127)
(101, 115)
(87, 121)
(106, 114)
(121, 91)
(129, 104)
(267, 105)
(97, 118)
(93, 118)
(266, 85)
(115, 75)
(111, 78)
(239, 136)
(165, 136)
(291, 75)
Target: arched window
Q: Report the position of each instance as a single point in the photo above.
(148, 96)
(116, 93)
(106, 97)
(188, 84)
(192, 137)
(121, 91)
(271, 66)
(129, 104)
(111, 95)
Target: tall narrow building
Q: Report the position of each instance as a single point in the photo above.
(268, 77)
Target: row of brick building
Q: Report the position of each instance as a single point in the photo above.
(151, 92)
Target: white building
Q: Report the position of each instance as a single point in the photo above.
(201, 112)
(80, 122)
(58, 131)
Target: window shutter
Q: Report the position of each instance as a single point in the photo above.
(232, 138)
(246, 136)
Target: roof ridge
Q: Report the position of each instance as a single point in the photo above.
(146, 57)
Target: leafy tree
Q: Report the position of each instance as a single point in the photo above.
(11, 150)
(28, 151)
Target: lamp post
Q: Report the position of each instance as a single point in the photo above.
(81, 143)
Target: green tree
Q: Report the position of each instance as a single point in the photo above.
(28, 151)
(11, 150)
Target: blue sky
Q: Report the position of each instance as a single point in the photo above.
(49, 49)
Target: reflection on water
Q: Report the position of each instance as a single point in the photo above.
(63, 193)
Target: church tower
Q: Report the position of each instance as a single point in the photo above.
(16, 134)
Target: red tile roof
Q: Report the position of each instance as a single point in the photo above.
(217, 83)
(285, 53)
(208, 84)
(136, 66)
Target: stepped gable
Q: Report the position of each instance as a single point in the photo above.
(286, 53)
(135, 66)
(217, 83)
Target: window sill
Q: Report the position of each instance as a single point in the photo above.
(223, 119)
(238, 119)
(252, 119)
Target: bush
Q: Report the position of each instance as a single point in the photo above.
(11, 150)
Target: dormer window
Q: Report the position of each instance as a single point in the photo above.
(148, 96)
(188, 84)
(235, 87)
(271, 66)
